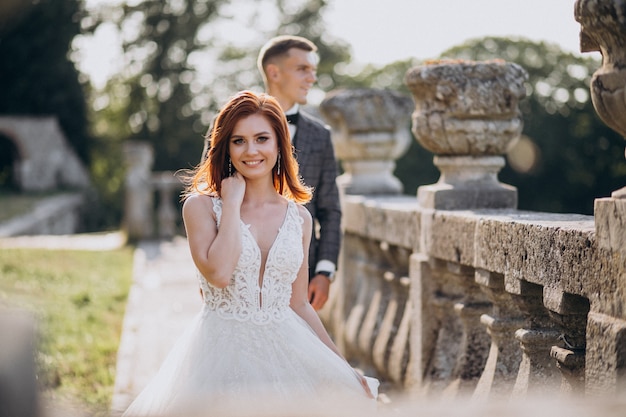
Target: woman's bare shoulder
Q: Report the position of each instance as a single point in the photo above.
(198, 202)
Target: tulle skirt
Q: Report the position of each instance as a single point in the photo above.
(225, 367)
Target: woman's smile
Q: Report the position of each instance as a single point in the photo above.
(251, 163)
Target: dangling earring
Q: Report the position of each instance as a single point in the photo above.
(278, 164)
(230, 167)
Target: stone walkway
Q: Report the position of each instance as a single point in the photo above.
(162, 301)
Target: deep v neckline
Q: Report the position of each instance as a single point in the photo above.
(260, 281)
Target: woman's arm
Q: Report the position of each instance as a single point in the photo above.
(214, 252)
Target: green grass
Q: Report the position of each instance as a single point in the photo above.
(78, 299)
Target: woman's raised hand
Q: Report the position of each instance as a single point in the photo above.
(233, 189)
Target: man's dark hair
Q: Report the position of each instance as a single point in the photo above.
(280, 46)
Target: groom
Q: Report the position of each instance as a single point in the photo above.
(288, 65)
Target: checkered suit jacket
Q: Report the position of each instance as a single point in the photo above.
(318, 168)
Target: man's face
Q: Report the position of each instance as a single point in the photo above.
(293, 77)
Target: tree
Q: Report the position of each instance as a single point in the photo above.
(182, 66)
(151, 99)
(38, 78)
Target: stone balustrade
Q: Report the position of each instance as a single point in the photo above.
(458, 293)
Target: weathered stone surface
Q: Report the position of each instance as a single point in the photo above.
(603, 29)
(467, 107)
(606, 355)
(467, 113)
(468, 182)
(389, 219)
(451, 238)
(554, 280)
(610, 219)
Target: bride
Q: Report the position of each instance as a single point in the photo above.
(257, 347)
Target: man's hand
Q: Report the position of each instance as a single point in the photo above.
(318, 291)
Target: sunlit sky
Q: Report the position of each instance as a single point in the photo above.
(384, 31)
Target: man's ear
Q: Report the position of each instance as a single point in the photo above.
(272, 71)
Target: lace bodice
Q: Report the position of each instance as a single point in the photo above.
(243, 299)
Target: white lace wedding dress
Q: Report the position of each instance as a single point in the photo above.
(248, 353)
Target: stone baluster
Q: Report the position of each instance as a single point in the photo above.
(537, 373)
(466, 112)
(474, 342)
(501, 368)
(569, 312)
(364, 286)
(369, 132)
(449, 329)
(396, 294)
(603, 29)
(399, 351)
(138, 198)
(424, 324)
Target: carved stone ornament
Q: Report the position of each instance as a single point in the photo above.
(467, 107)
(370, 132)
(603, 29)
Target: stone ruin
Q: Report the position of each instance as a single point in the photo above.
(44, 160)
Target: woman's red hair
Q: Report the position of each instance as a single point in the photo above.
(207, 177)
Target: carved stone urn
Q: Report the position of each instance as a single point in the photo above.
(603, 29)
(370, 132)
(466, 112)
